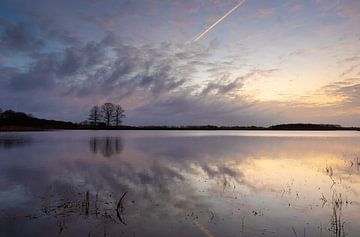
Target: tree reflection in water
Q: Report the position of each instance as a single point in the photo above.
(9, 142)
(107, 146)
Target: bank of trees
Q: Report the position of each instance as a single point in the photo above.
(11, 120)
(108, 114)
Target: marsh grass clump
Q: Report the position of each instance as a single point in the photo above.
(336, 223)
(68, 205)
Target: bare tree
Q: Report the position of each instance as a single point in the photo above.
(94, 116)
(118, 114)
(107, 112)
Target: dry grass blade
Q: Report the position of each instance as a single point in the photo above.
(120, 207)
(294, 231)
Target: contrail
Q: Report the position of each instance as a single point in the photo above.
(201, 34)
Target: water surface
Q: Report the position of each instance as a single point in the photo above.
(179, 183)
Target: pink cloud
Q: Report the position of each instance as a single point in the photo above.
(351, 10)
(264, 12)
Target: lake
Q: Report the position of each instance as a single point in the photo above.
(180, 183)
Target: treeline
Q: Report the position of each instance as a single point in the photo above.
(306, 126)
(288, 127)
(108, 114)
(12, 121)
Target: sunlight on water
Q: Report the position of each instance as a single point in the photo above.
(188, 183)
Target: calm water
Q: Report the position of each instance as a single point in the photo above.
(186, 183)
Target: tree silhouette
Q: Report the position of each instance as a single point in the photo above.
(94, 116)
(118, 114)
(107, 112)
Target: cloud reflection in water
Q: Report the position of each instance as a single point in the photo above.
(179, 185)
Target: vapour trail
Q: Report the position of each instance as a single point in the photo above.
(201, 34)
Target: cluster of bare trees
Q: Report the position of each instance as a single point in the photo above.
(108, 113)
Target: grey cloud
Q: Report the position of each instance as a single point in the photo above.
(162, 74)
(350, 69)
(190, 109)
(39, 76)
(222, 86)
(298, 52)
(351, 59)
(196, 51)
(112, 17)
(156, 70)
(89, 69)
(107, 20)
(85, 57)
(17, 37)
(51, 27)
(7, 73)
(348, 89)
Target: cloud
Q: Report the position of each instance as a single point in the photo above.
(350, 69)
(108, 68)
(264, 12)
(225, 85)
(342, 111)
(88, 65)
(17, 37)
(349, 90)
(77, 58)
(349, 10)
(155, 83)
(351, 59)
(187, 108)
(297, 53)
(108, 20)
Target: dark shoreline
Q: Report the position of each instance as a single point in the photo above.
(157, 128)
(18, 121)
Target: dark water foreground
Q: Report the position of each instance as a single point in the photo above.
(186, 183)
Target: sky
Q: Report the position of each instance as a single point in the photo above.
(267, 62)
